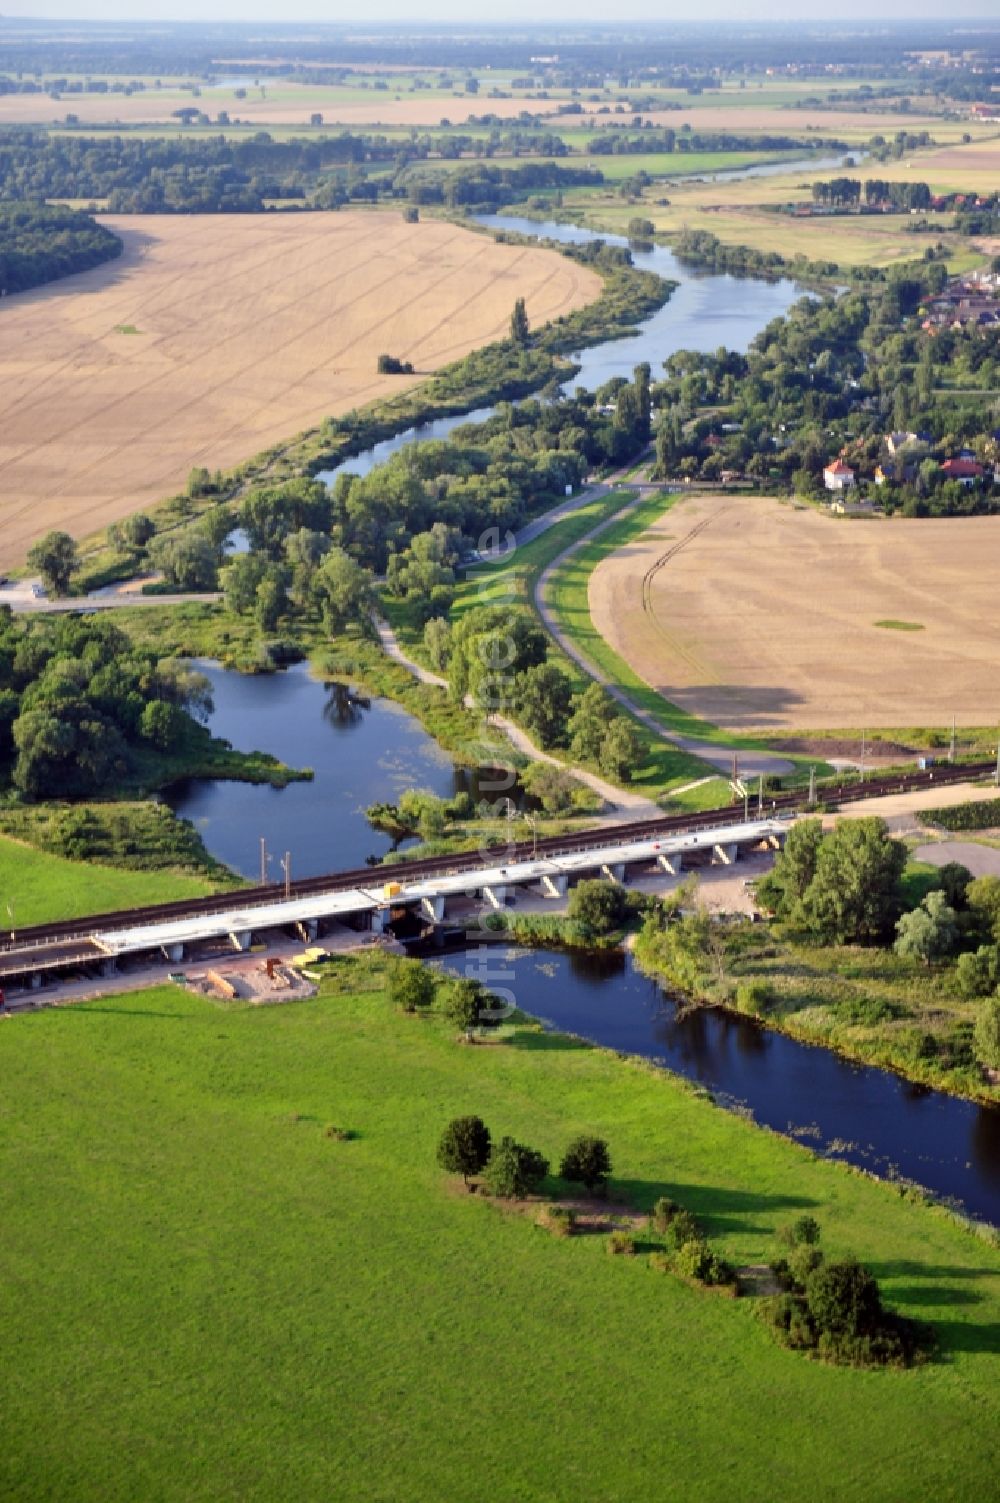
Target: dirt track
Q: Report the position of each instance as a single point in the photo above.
(760, 616)
(216, 336)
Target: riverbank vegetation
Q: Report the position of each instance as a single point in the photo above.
(894, 965)
(85, 712)
(242, 1098)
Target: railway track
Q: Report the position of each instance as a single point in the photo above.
(832, 796)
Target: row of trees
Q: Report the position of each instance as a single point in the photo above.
(510, 1170)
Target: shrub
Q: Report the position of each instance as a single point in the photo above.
(586, 1162)
(621, 1245)
(683, 1228)
(977, 973)
(664, 1212)
(465, 1146)
(696, 1260)
(804, 1229)
(754, 998)
(598, 907)
(803, 1261)
(559, 1220)
(411, 985)
(987, 1034)
(514, 1171)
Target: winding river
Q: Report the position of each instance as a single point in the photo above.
(363, 751)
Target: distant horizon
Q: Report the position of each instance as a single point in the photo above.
(470, 15)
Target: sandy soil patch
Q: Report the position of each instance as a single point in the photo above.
(759, 615)
(248, 329)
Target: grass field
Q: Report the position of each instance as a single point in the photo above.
(43, 887)
(250, 328)
(204, 1296)
(773, 617)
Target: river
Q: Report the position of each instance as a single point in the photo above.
(365, 751)
(706, 310)
(865, 1116)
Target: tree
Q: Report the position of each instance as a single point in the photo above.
(344, 591)
(542, 697)
(986, 1036)
(598, 907)
(519, 326)
(854, 896)
(954, 879)
(138, 529)
(794, 868)
(587, 1161)
(55, 558)
(514, 1170)
(162, 724)
(977, 972)
(588, 725)
(983, 898)
(464, 1147)
(467, 1003)
(929, 932)
(437, 642)
(186, 559)
(843, 1299)
(621, 750)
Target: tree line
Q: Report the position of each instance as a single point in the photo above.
(41, 242)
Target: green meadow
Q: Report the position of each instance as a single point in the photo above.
(205, 1296)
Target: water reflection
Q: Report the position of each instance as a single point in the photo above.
(866, 1116)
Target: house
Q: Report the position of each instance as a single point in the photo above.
(896, 441)
(838, 476)
(965, 471)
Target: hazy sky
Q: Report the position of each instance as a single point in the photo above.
(492, 13)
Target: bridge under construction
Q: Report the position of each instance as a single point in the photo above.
(427, 894)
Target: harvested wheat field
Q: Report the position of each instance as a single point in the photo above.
(215, 336)
(758, 614)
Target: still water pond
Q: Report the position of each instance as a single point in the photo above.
(361, 751)
(865, 1116)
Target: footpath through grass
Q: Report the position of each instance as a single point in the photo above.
(204, 1296)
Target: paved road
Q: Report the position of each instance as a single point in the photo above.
(615, 799)
(720, 756)
(23, 601)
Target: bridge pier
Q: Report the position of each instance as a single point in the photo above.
(432, 908)
(307, 929)
(496, 896)
(380, 920)
(614, 871)
(672, 864)
(555, 887)
(173, 952)
(726, 854)
(241, 939)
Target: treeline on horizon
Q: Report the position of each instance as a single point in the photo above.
(586, 54)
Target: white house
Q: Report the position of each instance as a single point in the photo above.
(838, 476)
